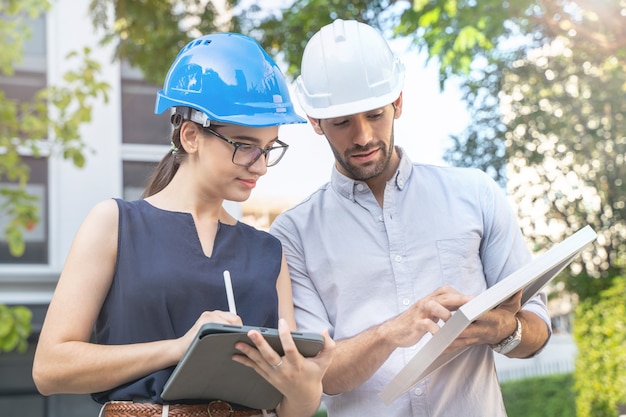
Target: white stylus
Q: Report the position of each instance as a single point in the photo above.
(229, 293)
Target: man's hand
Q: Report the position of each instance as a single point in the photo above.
(497, 324)
(422, 317)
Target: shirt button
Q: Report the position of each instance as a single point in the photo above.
(418, 391)
(406, 301)
(398, 258)
(381, 218)
(360, 187)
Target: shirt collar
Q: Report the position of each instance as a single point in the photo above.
(349, 188)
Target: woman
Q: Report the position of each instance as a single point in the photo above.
(144, 275)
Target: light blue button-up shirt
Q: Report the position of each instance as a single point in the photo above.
(355, 264)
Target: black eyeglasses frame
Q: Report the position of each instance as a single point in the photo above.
(262, 152)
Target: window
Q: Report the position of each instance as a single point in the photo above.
(136, 175)
(145, 135)
(139, 123)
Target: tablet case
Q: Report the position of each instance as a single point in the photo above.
(207, 371)
(531, 278)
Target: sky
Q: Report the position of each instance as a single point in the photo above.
(429, 116)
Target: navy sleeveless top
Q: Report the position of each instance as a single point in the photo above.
(163, 281)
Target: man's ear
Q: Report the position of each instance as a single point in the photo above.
(316, 125)
(398, 105)
(189, 136)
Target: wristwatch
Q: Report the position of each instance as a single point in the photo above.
(510, 342)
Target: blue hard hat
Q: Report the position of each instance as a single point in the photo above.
(230, 78)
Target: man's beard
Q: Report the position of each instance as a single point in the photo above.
(370, 170)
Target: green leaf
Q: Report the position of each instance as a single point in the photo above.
(9, 342)
(430, 18)
(6, 324)
(15, 327)
(451, 8)
(418, 5)
(468, 38)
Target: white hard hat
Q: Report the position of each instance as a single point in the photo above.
(347, 68)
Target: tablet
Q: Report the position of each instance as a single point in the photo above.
(208, 372)
(531, 279)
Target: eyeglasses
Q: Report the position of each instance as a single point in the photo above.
(246, 155)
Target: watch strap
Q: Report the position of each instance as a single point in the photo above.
(510, 342)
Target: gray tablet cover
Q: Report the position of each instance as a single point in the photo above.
(207, 371)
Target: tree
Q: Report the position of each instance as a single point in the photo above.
(565, 140)
(56, 113)
(559, 116)
(148, 34)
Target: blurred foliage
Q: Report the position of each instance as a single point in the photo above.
(47, 125)
(284, 33)
(25, 127)
(148, 34)
(14, 328)
(545, 396)
(600, 332)
(565, 142)
(481, 145)
(15, 203)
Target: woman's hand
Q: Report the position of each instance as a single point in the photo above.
(298, 378)
(215, 316)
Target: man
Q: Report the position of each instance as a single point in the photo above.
(386, 248)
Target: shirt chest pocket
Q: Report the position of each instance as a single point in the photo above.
(460, 265)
